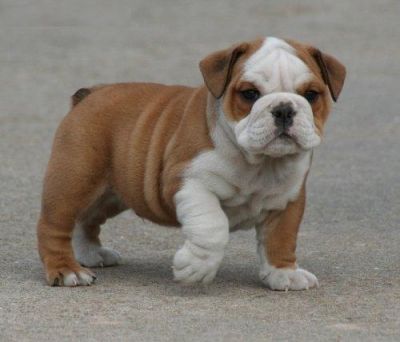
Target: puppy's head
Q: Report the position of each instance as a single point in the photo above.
(274, 95)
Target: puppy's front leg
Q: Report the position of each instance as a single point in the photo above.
(206, 228)
(276, 247)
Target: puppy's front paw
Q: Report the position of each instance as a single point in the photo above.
(283, 279)
(195, 264)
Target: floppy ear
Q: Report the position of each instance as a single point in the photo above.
(333, 72)
(217, 68)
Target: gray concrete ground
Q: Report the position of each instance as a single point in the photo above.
(350, 234)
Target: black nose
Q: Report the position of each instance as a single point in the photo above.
(283, 114)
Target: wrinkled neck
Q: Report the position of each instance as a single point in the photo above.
(223, 135)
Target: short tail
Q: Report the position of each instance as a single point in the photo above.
(82, 93)
(79, 95)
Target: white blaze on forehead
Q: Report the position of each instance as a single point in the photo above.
(275, 67)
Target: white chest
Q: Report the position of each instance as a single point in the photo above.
(247, 192)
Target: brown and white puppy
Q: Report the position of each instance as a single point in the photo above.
(233, 154)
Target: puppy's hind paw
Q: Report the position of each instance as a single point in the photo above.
(75, 276)
(98, 256)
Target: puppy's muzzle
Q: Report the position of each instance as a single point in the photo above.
(278, 124)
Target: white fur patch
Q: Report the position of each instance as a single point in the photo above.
(193, 263)
(285, 279)
(91, 254)
(274, 67)
(78, 279)
(207, 231)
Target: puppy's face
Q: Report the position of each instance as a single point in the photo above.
(274, 95)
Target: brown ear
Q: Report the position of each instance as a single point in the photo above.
(333, 72)
(217, 68)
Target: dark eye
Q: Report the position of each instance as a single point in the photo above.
(311, 96)
(250, 95)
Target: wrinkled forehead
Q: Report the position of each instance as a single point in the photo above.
(275, 67)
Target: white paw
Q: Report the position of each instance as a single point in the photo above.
(97, 256)
(195, 264)
(284, 279)
(78, 279)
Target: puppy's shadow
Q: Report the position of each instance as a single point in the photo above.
(157, 273)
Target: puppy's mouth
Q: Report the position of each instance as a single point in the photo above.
(293, 140)
(285, 136)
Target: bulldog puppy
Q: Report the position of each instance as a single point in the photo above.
(232, 154)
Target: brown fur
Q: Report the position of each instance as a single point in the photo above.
(280, 233)
(132, 140)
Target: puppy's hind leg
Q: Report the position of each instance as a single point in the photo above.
(76, 177)
(86, 243)
(55, 226)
